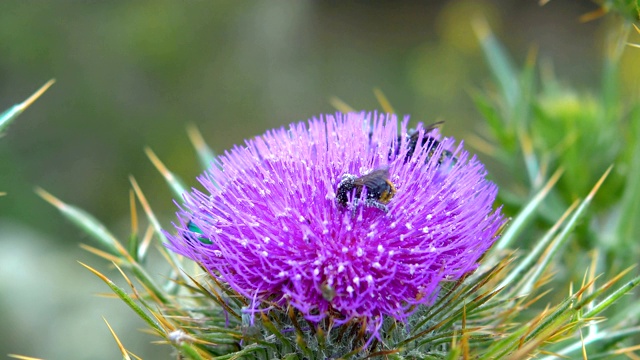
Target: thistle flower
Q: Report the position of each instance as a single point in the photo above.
(271, 226)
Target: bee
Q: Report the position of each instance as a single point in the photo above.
(380, 190)
(429, 143)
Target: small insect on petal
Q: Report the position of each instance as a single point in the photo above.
(379, 189)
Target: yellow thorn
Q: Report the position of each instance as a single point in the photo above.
(627, 349)
(553, 180)
(146, 241)
(158, 164)
(96, 273)
(102, 254)
(527, 143)
(584, 348)
(592, 15)
(50, 198)
(481, 27)
(22, 357)
(140, 195)
(480, 144)
(593, 191)
(125, 354)
(25, 104)
(384, 102)
(134, 212)
(3, 193)
(594, 264)
(340, 105)
(195, 136)
(126, 278)
(532, 55)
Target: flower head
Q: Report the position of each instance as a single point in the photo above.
(277, 222)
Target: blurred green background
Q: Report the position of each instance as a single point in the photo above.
(133, 74)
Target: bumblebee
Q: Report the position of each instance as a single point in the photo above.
(380, 190)
(429, 143)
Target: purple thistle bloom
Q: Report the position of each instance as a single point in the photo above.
(271, 227)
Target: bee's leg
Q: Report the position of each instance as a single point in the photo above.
(377, 205)
(354, 206)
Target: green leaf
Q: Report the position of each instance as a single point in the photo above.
(501, 65)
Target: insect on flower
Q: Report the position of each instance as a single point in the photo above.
(380, 190)
(429, 143)
(194, 229)
(265, 224)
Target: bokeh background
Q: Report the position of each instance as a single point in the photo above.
(134, 74)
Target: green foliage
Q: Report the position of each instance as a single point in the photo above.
(485, 315)
(555, 126)
(578, 157)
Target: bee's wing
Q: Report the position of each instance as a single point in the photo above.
(413, 134)
(373, 179)
(432, 126)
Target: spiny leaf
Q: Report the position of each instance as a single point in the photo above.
(526, 215)
(85, 221)
(499, 62)
(561, 238)
(128, 300)
(615, 296)
(525, 264)
(603, 336)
